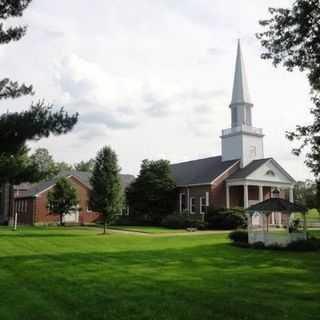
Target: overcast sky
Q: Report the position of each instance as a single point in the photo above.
(153, 78)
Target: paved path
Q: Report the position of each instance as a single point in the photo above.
(166, 234)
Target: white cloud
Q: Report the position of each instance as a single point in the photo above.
(153, 78)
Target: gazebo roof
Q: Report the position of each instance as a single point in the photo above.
(277, 205)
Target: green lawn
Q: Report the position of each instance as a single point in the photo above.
(76, 273)
(151, 230)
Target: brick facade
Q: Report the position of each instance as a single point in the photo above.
(34, 210)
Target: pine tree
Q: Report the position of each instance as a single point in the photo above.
(106, 195)
(40, 120)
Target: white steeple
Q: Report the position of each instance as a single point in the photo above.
(242, 141)
(240, 92)
(241, 102)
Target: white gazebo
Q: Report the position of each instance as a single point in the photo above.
(280, 236)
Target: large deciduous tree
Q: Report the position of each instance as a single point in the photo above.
(63, 199)
(152, 195)
(107, 193)
(45, 163)
(291, 37)
(86, 166)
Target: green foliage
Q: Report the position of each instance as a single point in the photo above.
(226, 219)
(45, 163)
(107, 194)
(86, 166)
(63, 166)
(152, 196)
(312, 244)
(183, 220)
(18, 168)
(63, 199)
(70, 273)
(291, 38)
(305, 193)
(239, 236)
(38, 121)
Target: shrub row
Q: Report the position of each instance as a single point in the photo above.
(240, 238)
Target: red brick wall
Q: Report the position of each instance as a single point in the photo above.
(218, 189)
(41, 211)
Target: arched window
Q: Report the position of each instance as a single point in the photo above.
(270, 173)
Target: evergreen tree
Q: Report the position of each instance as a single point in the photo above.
(107, 194)
(63, 199)
(40, 120)
(152, 195)
(292, 38)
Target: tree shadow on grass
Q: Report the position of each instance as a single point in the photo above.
(206, 282)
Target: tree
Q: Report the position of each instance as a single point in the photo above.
(40, 120)
(63, 199)
(86, 166)
(63, 166)
(45, 163)
(291, 38)
(153, 194)
(306, 193)
(107, 194)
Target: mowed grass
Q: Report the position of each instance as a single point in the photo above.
(147, 229)
(76, 273)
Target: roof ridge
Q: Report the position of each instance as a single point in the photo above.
(172, 164)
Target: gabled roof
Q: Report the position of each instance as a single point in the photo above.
(277, 205)
(240, 92)
(202, 171)
(82, 177)
(247, 170)
(254, 165)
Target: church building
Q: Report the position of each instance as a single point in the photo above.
(241, 176)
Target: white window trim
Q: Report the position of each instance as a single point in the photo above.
(202, 205)
(180, 201)
(191, 199)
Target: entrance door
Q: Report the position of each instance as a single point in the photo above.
(72, 217)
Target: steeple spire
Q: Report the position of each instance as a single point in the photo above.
(240, 92)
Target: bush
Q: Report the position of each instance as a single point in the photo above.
(226, 219)
(239, 236)
(258, 245)
(182, 221)
(305, 245)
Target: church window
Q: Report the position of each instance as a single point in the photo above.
(270, 173)
(248, 115)
(234, 116)
(203, 205)
(192, 205)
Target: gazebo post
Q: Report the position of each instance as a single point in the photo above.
(305, 223)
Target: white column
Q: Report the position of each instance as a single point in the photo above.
(260, 193)
(180, 202)
(228, 197)
(291, 199)
(246, 196)
(188, 199)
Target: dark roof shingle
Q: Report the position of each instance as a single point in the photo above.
(202, 171)
(83, 177)
(247, 170)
